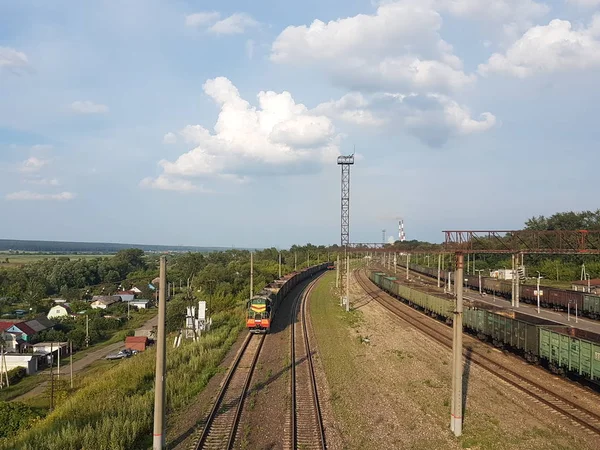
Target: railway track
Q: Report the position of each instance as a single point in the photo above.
(584, 417)
(306, 424)
(221, 425)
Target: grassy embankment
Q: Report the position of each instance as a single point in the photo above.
(112, 407)
(349, 363)
(27, 258)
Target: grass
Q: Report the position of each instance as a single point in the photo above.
(112, 405)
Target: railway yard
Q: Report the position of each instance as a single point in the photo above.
(376, 377)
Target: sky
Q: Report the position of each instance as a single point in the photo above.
(218, 123)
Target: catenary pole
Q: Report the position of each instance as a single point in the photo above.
(160, 375)
(439, 269)
(347, 282)
(457, 368)
(251, 274)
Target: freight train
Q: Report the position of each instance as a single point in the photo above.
(261, 308)
(563, 349)
(558, 299)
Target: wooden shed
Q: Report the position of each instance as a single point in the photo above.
(138, 343)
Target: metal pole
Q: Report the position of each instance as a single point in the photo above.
(456, 416)
(279, 264)
(87, 331)
(395, 264)
(407, 264)
(295, 261)
(468, 262)
(479, 281)
(51, 377)
(337, 272)
(251, 274)
(58, 371)
(159, 380)
(518, 288)
(439, 269)
(347, 283)
(71, 365)
(512, 302)
(538, 292)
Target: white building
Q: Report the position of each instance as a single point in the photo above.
(13, 343)
(140, 304)
(126, 296)
(27, 360)
(58, 311)
(104, 301)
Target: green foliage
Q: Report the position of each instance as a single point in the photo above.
(14, 417)
(17, 374)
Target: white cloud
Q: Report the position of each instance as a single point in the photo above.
(167, 184)
(169, 138)
(27, 195)
(87, 107)
(433, 118)
(280, 136)
(33, 164)
(502, 11)
(202, 18)
(585, 3)
(44, 181)
(549, 48)
(41, 148)
(13, 60)
(235, 24)
(397, 48)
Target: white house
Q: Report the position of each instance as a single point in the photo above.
(140, 304)
(27, 360)
(126, 296)
(13, 342)
(104, 301)
(58, 311)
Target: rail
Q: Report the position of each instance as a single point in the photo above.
(577, 413)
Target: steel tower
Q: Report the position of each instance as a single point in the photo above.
(345, 162)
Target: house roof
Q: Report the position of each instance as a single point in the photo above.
(136, 340)
(106, 299)
(133, 302)
(64, 306)
(126, 293)
(593, 282)
(6, 325)
(25, 328)
(34, 325)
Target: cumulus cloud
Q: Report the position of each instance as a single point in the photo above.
(201, 18)
(28, 195)
(433, 118)
(549, 48)
(87, 107)
(167, 184)
(517, 12)
(170, 138)
(397, 48)
(33, 164)
(44, 181)
(279, 136)
(13, 60)
(237, 23)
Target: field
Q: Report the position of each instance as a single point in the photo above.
(16, 260)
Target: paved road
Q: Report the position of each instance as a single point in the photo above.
(82, 363)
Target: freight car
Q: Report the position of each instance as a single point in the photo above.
(558, 299)
(261, 308)
(562, 349)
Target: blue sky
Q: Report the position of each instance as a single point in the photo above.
(219, 123)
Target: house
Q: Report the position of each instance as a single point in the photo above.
(138, 343)
(140, 304)
(13, 342)
(104, 301)
(136, 290)
(27, 360)
(40, 323)
(58, 311)
(593, 287)
(126, 296)
(18, 328)
(47, 348)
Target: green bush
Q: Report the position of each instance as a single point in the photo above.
(17, 374)
(15, 416)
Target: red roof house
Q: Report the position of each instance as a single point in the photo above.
(138, 343)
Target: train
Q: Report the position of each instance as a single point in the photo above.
(261, 308)
(562, 349)
(558, 299)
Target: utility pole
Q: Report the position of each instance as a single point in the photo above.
(307, 260)
(439, 269)
(512, 303)
(279, 264)
(538, 290)
(337, 272)
(457, 348)
(295, 261)
(479, 272)
(161, 357)
(347, 282)
(51, 377)
(58, 370)
(395, 266)
(87, 330)
(71, 364)
(251, 275)
(407, 264)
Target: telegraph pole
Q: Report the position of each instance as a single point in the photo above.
(295, 261)
(279, 264)
(159, 379)
(251, 275)
(395, 266)
(457, 348)
(407, 264)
